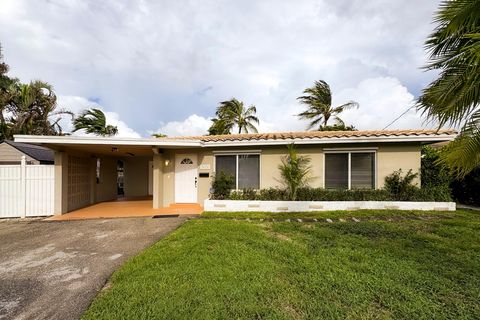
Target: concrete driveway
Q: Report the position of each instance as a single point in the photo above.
(53, 270)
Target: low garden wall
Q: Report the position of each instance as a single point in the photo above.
(300, 206)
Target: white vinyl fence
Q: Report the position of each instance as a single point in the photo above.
(26, 190)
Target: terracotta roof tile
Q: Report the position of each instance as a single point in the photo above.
(313, 135)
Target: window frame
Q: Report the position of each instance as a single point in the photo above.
(349, 151)
(236, 154)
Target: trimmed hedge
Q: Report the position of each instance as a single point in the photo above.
(440, 194)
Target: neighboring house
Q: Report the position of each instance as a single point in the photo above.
(180, 169)
(11, 153)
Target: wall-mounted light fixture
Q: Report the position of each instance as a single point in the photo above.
(167, 162)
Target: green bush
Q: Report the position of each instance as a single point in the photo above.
(222, 185)
(467, 190)
(320, 194)
(272, 194)
(397, 188)
(294, 171)
(400, 188)
(433, 173)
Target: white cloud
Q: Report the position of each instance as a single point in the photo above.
(77, 104)
(381, 100)
(128, 55)
(192, 126)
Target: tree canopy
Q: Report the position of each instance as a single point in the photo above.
(318, 100)
(231, 114)
(454, 97)
(94, 121)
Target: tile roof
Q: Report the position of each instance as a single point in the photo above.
(314, 135)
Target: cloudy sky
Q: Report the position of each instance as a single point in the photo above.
(163, 66)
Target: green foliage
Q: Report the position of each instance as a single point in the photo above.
(400, 188)
(434, 193)
(467, 190)
(222, 185)
(233, 113)
(158, 135)
(338, 127)
(244, 194)
(454, 98)
(219, 127)
(31, 109)
(94, 121)
(294, 171)
(320, 194)
(318, 100)
(433, 173)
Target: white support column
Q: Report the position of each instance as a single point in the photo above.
(157, 179)
(23, 174)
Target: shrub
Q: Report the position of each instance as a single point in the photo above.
(320, 194)
(294, 171)
(272, 194)
(400, 188)
(467, 190)
(433, 193)
(433, 173)
(222, 185)
(245, 194)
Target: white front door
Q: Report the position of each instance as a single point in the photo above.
(186, 178)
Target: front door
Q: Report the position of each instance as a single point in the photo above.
(186, 178)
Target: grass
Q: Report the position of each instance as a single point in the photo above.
(224, 269)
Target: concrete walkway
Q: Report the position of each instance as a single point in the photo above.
(53, 270)
(464, 206)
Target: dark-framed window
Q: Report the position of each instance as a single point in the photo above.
(350, 170)
(245, 169)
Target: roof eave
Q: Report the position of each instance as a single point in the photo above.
(69, 140)
(333, 140)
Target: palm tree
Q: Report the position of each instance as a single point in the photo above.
(319, 106)
(294, 171)
(94, 121)
(31, 107)
(454, 98)
(218, 127)
(233, 113)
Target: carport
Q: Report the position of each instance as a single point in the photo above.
(98, 177)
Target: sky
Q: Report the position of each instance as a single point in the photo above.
(164, 66)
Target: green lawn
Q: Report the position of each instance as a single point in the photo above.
(224, 269)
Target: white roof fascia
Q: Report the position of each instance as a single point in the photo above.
(66, 140)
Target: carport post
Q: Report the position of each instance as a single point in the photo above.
(157, 178)
(61, 183)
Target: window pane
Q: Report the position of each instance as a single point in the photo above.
(248, 171)
(227, 164)
(363, 170)
(336, 170)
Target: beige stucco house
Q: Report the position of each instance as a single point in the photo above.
(180, 169)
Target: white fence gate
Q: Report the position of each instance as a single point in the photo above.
(26, 190)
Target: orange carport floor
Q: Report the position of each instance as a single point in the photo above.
(126, 208)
